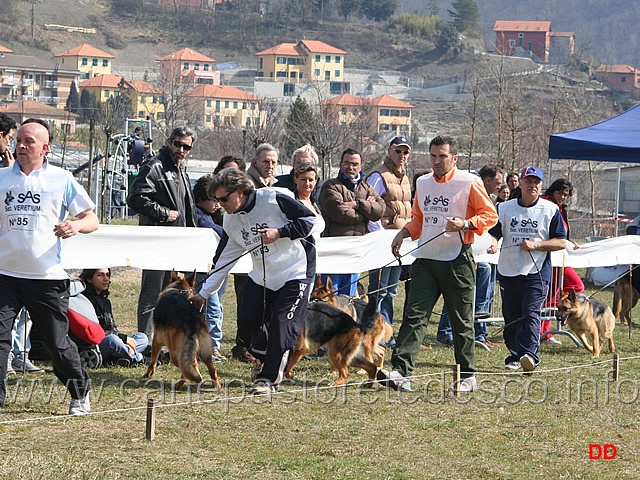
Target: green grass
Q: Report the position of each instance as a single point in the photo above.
(514, 427)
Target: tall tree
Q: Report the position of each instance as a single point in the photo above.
(378, 10)
(87, 104)
(73, 100)
(298, 124)
(466, 16)
(346, 8)
(434, 9)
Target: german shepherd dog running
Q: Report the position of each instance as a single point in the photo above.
(349, 343)
(353, 306)
(587, 317)
(182, 328)
(626, 294)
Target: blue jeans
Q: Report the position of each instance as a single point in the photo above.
(113, 348)
(21, 327)
(214, 319)
(379, 279)
(485, 289)
(214, 313)
(343, 283)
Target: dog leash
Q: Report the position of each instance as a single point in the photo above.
(397, 259)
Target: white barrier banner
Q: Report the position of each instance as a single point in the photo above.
(185, 249)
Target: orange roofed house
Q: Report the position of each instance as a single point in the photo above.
(516, 37)
(305, 61)
(619, 77)
(55, 117)
(190, 67)
(146, 99)
(223, 106)
(385, 114)
(89, 60)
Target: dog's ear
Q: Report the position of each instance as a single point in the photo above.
(572, 295)
(329, 284)
(174, 275)
(318, 283)
(191, 279)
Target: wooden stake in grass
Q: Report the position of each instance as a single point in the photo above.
(151, 420)
(616, 367)
(456, 379)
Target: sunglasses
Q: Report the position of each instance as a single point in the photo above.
(179, 144)
(401, 152)
(223, 199)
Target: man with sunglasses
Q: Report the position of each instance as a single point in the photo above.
(390, 181)
(161, 195)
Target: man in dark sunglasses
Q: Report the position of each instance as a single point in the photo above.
(161, 196)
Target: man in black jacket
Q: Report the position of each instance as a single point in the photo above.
(161, 195)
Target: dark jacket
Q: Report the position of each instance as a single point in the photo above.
(102, 306)
(287, 181)
(155, 192)
(341, 220)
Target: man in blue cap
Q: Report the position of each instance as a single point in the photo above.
(530, 228)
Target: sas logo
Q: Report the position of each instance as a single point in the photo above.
(527, 222)
(444, 201)
(258, 226)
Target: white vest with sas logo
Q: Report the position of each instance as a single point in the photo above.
(437, 202)
(284, 259)
(523, 223)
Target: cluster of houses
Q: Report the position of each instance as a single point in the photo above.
(311, 69)
(33, 86)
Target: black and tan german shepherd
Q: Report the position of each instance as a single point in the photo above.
(626, 295)
(348, 342)
(587, 317)
(182, 328)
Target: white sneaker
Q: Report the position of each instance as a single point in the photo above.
(552, 341)
(80, 406)
(20, 365)
(395, 380)
(263, 387)
(513, 366)
(527, 363)
(466, 385)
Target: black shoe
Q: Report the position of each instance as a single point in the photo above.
(242, 355)
(123, 362)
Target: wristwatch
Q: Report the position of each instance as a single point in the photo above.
(465, 228)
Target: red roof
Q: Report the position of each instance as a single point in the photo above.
(141, 86)
(521, 26)
(617, 69)
(84, 50)
(382, 101)
(281, 49)
(219, 91)
(316, 46)
(187, 54)
(299, 49)
(389, 101)
(35, 108)
(105, 80)
(4, 49)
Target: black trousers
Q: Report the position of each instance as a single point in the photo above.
(47, 302)
(287, 308)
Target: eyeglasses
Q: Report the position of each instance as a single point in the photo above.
(179, 144)
(401, 152)
(223, 199)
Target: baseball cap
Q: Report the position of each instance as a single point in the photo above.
(396, 141)
(532, 172)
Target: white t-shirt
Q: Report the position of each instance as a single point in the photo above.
(33, 205)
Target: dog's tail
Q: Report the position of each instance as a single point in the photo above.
(369, 315)
(188, 354)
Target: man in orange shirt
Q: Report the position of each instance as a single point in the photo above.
(450, 205)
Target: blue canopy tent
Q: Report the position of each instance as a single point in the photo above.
(616, 139)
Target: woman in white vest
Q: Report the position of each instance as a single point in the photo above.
(530, 228)
(277, 231)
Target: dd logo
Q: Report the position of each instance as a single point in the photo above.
(606, 451)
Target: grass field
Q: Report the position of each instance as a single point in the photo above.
(514, 427)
